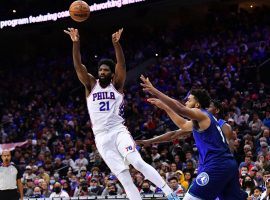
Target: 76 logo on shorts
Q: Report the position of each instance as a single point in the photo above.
(129, 148)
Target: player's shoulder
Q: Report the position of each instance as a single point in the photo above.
(15, 166)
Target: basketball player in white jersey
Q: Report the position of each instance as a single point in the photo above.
(105, 98)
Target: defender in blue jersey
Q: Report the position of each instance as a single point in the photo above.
(217, 110)
(218, 171)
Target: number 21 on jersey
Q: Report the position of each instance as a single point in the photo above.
(104, 106)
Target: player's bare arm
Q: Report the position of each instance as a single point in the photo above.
(86, 79)
(230, 137)
(166, 137)
(178, 120)
(179, 108)
(120, 68)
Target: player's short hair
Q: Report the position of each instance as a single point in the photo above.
(217, 104)
(173, 178)
(109, 62)
(202, 97)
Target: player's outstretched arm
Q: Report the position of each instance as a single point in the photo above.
(166, 137)
(120, 68)
(178, 120)
(86, 79)
(179, 108)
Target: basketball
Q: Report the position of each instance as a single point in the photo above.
(79, 11)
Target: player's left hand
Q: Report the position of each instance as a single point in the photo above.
(117, 35)
(156, 102)
(147, 85)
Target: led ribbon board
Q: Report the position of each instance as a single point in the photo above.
(63, 14)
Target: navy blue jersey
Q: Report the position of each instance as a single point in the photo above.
(212, 146)
(221, 122)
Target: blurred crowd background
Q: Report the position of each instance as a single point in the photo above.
(42, 102)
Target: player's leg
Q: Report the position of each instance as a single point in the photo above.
(127, 148)
(131, 190)
(233, 190)
(115, 161)
(135, 159)
(208, 184)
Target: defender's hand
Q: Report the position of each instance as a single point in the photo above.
(117, 35)
(143, 142)
(156, 102)
(73, 33)
(147, 85)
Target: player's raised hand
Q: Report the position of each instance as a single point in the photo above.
(147, 85)
(117, 35)
(156, 102)
(73, 33)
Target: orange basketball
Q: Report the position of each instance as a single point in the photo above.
(79, 11)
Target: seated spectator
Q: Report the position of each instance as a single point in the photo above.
(45, 189)
(111, 189)
(28, 187)
(83, 190)
(146, 188)
(37, 193)
(58, 191)
(266, 120)
(28, 174)
(83, 173)
(81, 161)
(248, 163)
(248, 184)
(95, 188)
(187, 180)
(176, 187)
(42, 174)
(265, 194)
(255, 194)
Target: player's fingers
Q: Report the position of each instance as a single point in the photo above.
(143, 85)
(150, 100)
(142, 78)
(67, 32)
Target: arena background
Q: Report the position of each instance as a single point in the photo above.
(23, 46)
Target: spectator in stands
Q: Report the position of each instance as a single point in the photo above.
(187, 180)
(81, 161)
(146, 188)
(176, 187)
(58, 191)
(248, 184)
(83, 190)
(28, 187)
(45, 189)
(37, 193)
(248, 163)
(95, 188)
(28, 174)
(43, 175)
(255, 194)
(266, 120)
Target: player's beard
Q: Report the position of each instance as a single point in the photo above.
(104, 82)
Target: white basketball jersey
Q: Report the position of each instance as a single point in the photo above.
(105, 107)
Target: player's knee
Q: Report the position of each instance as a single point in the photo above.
(125, 178)
(138, 164)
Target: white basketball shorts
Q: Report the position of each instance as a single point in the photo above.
(114, 146)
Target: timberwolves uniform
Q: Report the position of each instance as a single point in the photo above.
(218, 171)
(113, 140)
(221, 122)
